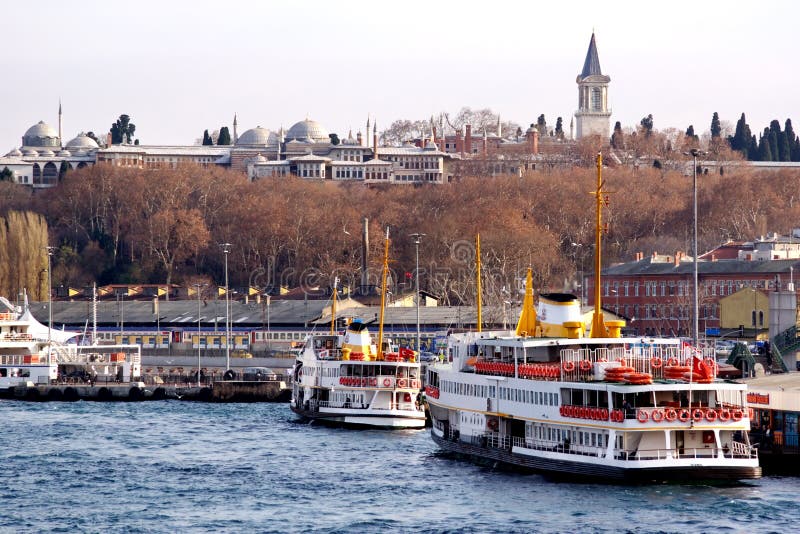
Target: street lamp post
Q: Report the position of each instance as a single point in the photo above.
(198, 287)
(226, 249)
(417, 238)
(49, 304)
(695, 305)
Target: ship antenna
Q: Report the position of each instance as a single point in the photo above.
(478, 277)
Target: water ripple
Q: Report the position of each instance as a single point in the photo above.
(170, 466)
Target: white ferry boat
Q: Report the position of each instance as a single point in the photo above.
(33, 354)
(628, 409)
(546, 398)
(350, 380)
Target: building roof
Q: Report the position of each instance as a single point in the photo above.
(591, 65)
(83, 141)
(159, 150)
(42, 130)
(647, 267)
(257, 136)
(308, 129)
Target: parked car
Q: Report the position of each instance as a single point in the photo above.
(241, 353)
(259, 374)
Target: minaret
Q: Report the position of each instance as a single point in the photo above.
(366, 140)
(593, 115)
(499, 128)
(60, 138)
(571, 127)
(375, 138)
(235, 133)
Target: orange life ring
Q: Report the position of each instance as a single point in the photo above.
(684, 416)
(642, 416)
(387, 382)
(562, 411)
(725, 415)
(341, 380)
(711, 415)
(401, 383)
(568, 366)
(373, 381)
(585, 365)
(658, 416)
(655, 362)
(737, 414)
(670, 415)
(672, 361)
(605, 414)
(697, 415)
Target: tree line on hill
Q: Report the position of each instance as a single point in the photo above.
(117, 225)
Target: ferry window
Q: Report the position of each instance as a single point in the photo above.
(594, 439)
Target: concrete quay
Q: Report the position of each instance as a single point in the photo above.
(227, 391)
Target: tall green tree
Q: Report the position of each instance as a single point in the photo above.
(6, 175)
(690, 133)
(541, 125)
(207, 139)
(647, 125)
(792, 140)
(224, 136)
(742, 138)
(560, 128)
(764, 148)
(617, 138)
(123, 127)
(716, 127)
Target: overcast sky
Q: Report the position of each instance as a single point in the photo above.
(178, 68)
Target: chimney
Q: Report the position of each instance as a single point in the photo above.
(459, 143)
(677, 258)
(468, 140)
(532, 136)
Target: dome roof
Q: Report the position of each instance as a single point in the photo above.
(308, 129)
(46, 153)
(259, 159)
(41, 129)
(14, 153)
(83, 141)
(64, 153)
(257, 136)
(30, 152)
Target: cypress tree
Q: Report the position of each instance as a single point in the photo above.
(560, 128)
(764, 149)
(617, 138)
(716, 127)
(224, 136)
(792, 140)
(207, 139)
(741, 138)
(647, 125)
(690, 133)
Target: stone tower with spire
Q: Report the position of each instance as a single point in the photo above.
(593, 116)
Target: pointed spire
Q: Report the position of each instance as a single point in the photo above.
(591, 65)
(499, 128)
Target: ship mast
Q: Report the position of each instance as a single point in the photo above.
(333, 305)
(598, 324)
(383, 295)
(478, 277)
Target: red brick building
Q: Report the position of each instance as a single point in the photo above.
(654, 294)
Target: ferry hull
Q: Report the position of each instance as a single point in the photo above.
(367, 420)
(597, 472)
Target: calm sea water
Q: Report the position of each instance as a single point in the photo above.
(187, 467)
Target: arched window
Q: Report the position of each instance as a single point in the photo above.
(50, 174)
(37, 174)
